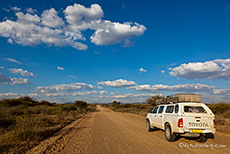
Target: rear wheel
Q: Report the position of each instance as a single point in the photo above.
(148, 126)
(202, 138)
(168, 134)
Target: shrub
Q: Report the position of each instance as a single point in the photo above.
(68, 107)
(220, 121)
(42, 109)
(43, 102)
(23, 129)
(153, 99)
(227, 114)
(24, 122)
(5, 122)
(80, 104)
(219, 107)
(126, 105)
(91, 107)
(10, 102)
(27, 101)
(115, 104)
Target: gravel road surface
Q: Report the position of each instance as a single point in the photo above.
(107, 132)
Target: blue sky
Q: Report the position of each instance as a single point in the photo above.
(101, 51)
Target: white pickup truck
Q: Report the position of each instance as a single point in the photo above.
(185, 118)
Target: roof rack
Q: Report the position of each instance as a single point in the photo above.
(178, 98)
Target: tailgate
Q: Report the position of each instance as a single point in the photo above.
(197, 118)
(198, 124)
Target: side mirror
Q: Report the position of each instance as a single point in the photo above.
(150, 111)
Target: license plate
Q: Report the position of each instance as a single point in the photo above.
(197, 130)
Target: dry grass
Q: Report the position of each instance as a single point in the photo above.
(24, 123)
(222, 116)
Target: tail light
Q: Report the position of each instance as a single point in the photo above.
(180, 123)
(214, 123)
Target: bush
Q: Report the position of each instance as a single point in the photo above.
(91, 107)
(27, 101)
(219, 107)
(80, 104)
(68, 107)
(153, 99)
(10, 102)
(126, 105)
(227, 114)
(220, 121)
(24, 122)
(42, 109)
(5, 122)
(43, 102)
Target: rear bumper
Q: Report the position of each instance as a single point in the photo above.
(204, 131)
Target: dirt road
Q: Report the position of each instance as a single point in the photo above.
(105, 132)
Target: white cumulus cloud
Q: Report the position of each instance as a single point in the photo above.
(51, 19)
(30, 29)
(16, 95)
(20, 71)
(4, 79)
(27, 18)
(19, 81)
(30, 10)
(99, 87)
(15, 8)
(142, 70)
(10, 95)
(112, 32)
(178, 88)
(33, 95)
(60, 68)
(215, 69)
(75, 93)
(120, 83)
(64, 87)
(222, 92)
(76, 13)
(130, 95)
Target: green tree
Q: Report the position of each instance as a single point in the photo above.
(81, 104)
(115, 103)
(44, 102)
(152, 100)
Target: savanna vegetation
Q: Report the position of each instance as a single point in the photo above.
(222, 116)
(25, 122)
(140, 109)
(221, 111)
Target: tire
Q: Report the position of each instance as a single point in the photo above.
(202, 138)
(168, 134)
(149, 129)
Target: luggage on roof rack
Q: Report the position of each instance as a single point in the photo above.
(177, 98)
